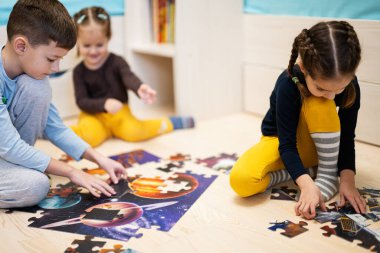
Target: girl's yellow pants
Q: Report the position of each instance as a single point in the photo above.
(96, 128)
(250, 174)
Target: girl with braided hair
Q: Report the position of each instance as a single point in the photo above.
(304, 135)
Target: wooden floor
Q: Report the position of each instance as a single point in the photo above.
(219, 221)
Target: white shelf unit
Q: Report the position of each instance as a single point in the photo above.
(200, 74)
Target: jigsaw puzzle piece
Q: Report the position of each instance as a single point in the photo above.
(373, 205)
(169, 167)
(180, 158)
(291, 229)
(223, 162)
(66, 158)
(323, 217)
(30, 209)
(374, 193)
(328, 231)
(85, 246)
(135, 157)
(284, 193)
(117, 248)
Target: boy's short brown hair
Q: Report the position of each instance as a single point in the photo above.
(42, 21)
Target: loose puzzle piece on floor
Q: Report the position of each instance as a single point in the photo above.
(180, 158)
(223, 162)
(284, 193)
(88, 245)
(291, 229)
(155, 195)
(85, 246)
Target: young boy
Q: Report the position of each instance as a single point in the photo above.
(40, 33)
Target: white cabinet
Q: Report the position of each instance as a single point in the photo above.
(200, 74)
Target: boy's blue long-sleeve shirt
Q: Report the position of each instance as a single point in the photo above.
(15, 150)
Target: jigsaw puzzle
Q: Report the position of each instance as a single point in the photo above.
(155, 194)
(284, 193)
(223, 162)
(291, 229)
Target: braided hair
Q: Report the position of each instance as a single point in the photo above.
(327, 50)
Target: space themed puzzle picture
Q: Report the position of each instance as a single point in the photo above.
(155, 195)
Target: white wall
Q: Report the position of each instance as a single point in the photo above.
(267, 44)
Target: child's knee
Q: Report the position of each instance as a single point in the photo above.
(29, 190)
(321, 115)
(246, 184)
(94, 136)
(132, 133)
(38, 189)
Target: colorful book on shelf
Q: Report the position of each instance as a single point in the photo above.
(163, 15)
(154, 11)
(172, 16)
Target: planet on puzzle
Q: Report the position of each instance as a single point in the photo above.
(177, 185)
(58, 202)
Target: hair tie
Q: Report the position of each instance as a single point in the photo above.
(80, 19)
(102, 16)
(295, 80)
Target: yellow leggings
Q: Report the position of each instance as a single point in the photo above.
(250, 174)
(96, 128)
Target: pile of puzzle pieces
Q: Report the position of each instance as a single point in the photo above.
(345, 222)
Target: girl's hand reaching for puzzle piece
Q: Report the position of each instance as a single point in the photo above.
(146, 93)
(310, 198)
(348, 192)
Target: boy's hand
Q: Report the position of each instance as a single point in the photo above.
(348, 191)
(146, 93)
(94, 185)
(114, 169)
(112, 105)
(309, 199)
